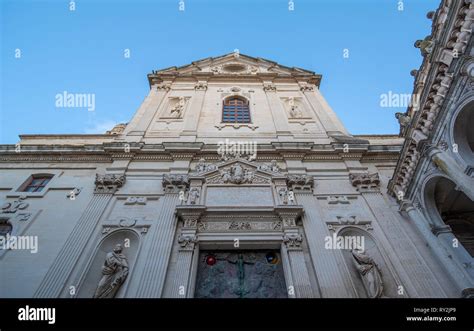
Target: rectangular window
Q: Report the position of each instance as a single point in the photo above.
(36, 183)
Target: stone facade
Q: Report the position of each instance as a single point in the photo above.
(164, 187)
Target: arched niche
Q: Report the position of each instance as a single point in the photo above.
(463, 133)
(94, 271)
(390, 286)
(444, 204)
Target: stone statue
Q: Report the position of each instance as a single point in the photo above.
(114, 273)
(286, 197)
(295, 111)
(403, 120)
(193, 196)
(272, 167)
(426, 45)
(369, 272)
(202, 166)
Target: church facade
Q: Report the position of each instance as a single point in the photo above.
(235, 179)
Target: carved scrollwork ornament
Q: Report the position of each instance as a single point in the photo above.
(187, 242)
(293, 240)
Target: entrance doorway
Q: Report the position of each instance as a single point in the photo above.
(240, 274)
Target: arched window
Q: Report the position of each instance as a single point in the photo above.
(236, 110)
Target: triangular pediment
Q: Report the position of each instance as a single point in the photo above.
(234, 64)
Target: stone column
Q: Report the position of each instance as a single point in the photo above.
(292, 239)
(451, 168)
(192, 116)
(326, 268)
(413, 269)
(162, 236)
(447, 238)
(187, 240)
(459, 276)
(57, 275)
(278, 113)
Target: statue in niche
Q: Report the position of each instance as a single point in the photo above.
(369, 272)
(178, 108)
(286, 197)
(114, 273)
(193, 196)
(295, 111)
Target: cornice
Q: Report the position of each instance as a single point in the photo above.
(452, 27)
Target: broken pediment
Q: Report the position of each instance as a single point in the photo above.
(236, 172)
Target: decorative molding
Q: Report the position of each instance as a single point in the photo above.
(236, 225)
(13, 207)
(236, 126)
(108, 183)
(74, 193)
(136, 201)
(348, 221)
(338, 199)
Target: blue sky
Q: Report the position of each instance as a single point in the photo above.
(82, 51)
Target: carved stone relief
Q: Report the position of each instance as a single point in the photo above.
(176, 107)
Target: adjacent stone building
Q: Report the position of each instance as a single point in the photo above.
(236, 179)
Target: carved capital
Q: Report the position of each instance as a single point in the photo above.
(163, 87)
(365, 181)
(200, 86)
(307, 88)
(269, 87)
(108, 183)
(300, 182)
(175, 183)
